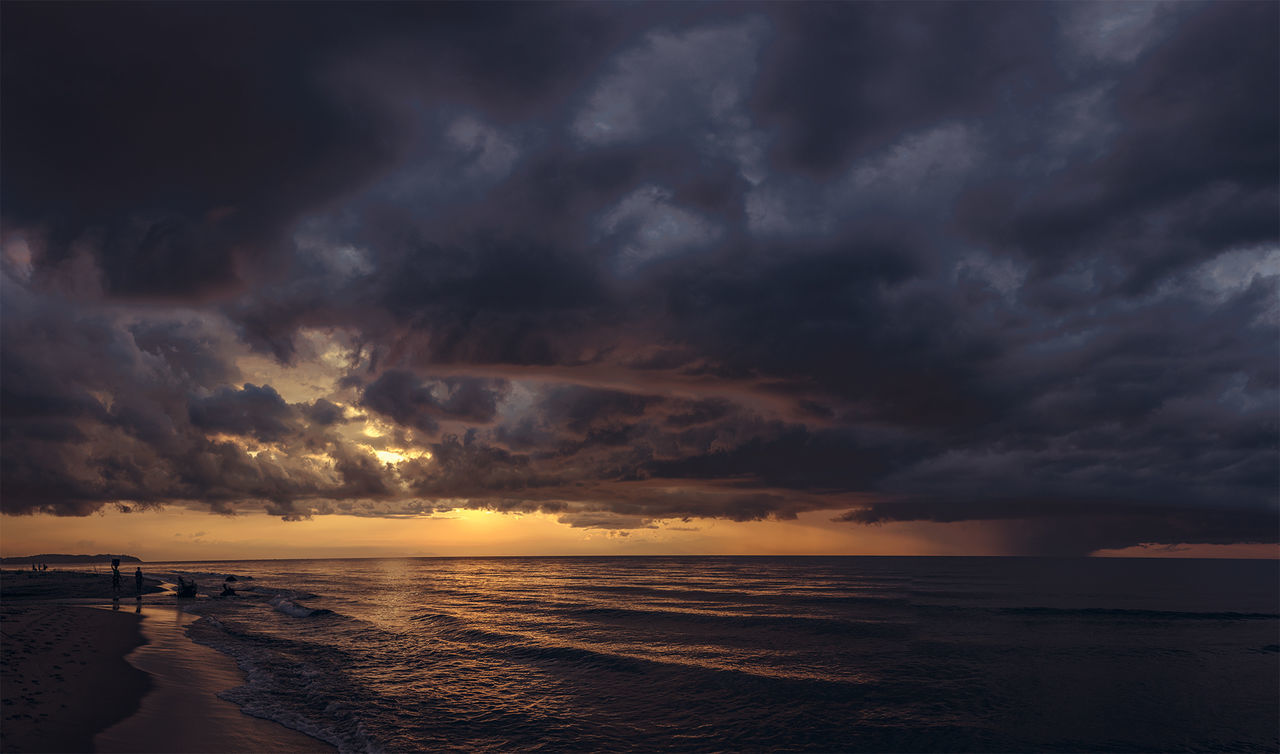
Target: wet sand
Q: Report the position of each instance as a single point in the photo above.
(182, 712)
(63, 675)
(79, 678)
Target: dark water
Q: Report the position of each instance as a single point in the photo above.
(751, 654)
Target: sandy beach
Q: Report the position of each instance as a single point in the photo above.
(63, 675)
(87, 677)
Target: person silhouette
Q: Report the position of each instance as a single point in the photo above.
(115, 577)
(137, 581)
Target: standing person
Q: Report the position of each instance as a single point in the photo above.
(137, 581)
(115, 577)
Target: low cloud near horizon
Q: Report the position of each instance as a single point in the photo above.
(627, 264)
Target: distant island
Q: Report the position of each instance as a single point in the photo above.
(27, 559)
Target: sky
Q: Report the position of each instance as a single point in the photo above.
(294, 280)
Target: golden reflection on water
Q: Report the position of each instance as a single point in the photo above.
(505, 601)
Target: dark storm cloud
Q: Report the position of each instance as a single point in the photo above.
(1052, 527)
(185, 174)
(1191, 172)
(102, 408)
(917, 262)
(698, 412)
(322, 412)
(176, 170)
(911, 65)
(410, 401)
(791, 458)
(466, 467)
(362, 475)
(251, 410)
(583, 410)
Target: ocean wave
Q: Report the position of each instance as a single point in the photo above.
(1106, 612)
(218, 576)
(587, 658)
(953, 594)
(686, 671)
(806, 623)
(748, 598)
(464, 632)
(289, 607)
(437, 619)
(293, 683)
(502, 657)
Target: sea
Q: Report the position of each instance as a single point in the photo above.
(746, 654)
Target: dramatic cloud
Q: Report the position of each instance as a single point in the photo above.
(410, 402)
(253, 410)
(1014, 263)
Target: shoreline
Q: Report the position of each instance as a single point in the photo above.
(81, 673)
(182, 712)
(64, 676)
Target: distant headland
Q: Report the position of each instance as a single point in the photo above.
(26, 559)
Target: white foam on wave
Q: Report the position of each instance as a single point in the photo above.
(289, 607)
(257, 697)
